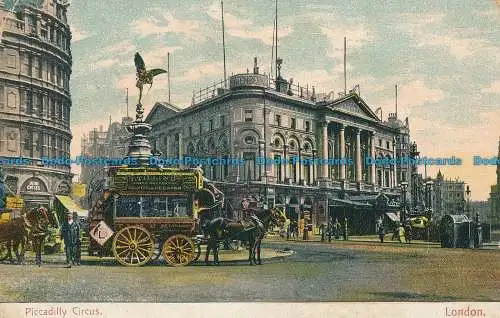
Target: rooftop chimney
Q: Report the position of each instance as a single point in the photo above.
(255, 67)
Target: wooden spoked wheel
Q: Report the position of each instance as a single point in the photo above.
(179, 250)
(133, 246)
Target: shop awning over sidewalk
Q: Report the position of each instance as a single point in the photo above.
(71, 205)
(341, 202)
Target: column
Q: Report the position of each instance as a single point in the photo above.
(286, 173)
(267, 141)
(314, 170)
(38, 26)
(181, 149)
(301, 175)
(394, 169)
(359, 171)
(373, 171)
(342, 150)
(263, 167)
(324, 130)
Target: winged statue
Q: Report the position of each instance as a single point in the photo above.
(144, 76)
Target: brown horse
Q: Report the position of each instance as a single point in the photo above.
(17, 232)
(251, 230)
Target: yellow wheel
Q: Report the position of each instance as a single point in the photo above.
(133, 246)
(178, 250)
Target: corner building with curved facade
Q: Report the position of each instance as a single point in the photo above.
(253, 117)
(35, 101)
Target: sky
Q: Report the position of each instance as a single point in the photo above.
(443, 55)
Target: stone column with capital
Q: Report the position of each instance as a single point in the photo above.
(263, 169)
(394, 169)
(181, 149)
(372, 155)
(342, 150)
(324, 134)
(359, 170)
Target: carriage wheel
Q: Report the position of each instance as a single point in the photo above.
(133, 246)
(3, 251)
(179, 250)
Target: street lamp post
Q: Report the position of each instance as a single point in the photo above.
(404, 186)
(428, 191)
(468, 194)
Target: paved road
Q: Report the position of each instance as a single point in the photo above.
(316, 272)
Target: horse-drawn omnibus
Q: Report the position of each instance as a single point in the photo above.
(148, 211)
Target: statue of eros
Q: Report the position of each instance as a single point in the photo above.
(144, 76)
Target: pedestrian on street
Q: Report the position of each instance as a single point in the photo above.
(78, 244)
(345, 229)
(70, 233)
(381, 233)
(336, 227)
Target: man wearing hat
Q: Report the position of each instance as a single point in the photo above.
(70, 233)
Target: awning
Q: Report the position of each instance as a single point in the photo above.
(71, 205)
(393, 216)
(341, 202)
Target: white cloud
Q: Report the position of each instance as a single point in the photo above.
(103, 64)
(494, 88)
(202, 71)
(120, 48)
(78, 35)
(243, 28)
(356, 37)
(432, 30)
(414, 94)
(191, 29)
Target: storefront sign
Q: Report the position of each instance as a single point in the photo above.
(14, 202)
(34, 185)
(158, 181)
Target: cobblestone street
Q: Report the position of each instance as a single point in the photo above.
(350, 271)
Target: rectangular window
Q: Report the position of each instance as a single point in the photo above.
(248, 115)
(37, 67)
(60, 114)
(30, 103)
(40, 147)
(308, 126)
(250, 168)
(2, 96)
(200, 128)
(277, 120)
(223, 121)
(32, 24)
(388, 145)
(190, 131)
(211, 124)
(293, 123)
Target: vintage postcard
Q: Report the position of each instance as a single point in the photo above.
(249, 158)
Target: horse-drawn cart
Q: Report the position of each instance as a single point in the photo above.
(149, 211)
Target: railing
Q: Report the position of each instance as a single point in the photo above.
(304, 92)
(209, 92)
(19, 26)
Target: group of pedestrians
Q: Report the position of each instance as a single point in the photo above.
(70, 233)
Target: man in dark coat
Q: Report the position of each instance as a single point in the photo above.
(77, 256)
(70, 233)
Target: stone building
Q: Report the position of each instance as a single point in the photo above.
(35, 101)
(494, 199)
(112, 143)
(449, 196)
(254, 117)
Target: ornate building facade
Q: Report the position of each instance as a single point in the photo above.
(449, 196)
(111, 143)
(254, 117)
(35, 100)
(494, 199)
